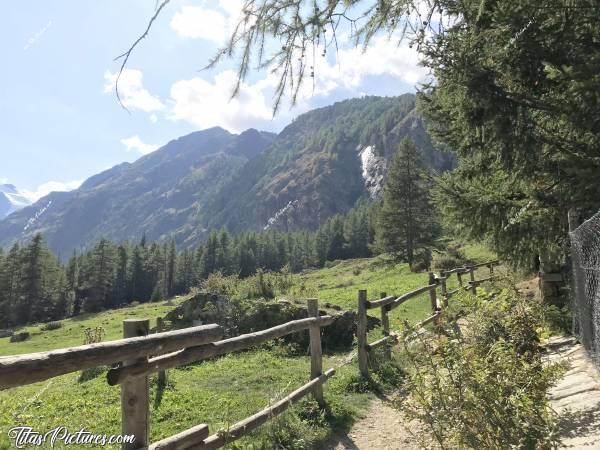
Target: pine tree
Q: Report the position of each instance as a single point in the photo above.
(120, 284)
(40, 272)
(10, 284)
(170, 269)
(100, 270)
(407, 221)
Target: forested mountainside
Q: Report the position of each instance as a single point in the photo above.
(319, 165)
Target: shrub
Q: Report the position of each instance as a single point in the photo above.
(449, 259)
(20, 337)
(217, 283)
(486, 388)
(51, 326)
(92, 336)
(446, 262)
(261, 285)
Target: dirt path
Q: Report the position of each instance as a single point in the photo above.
(382, 428)
(577, 396)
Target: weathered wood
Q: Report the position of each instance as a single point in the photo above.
(361, 334)
(472, 283)
(183, 440)
(135, 396)
(432, 293)
(552, 277)
(316, 356)
(383, 341)
(381, 302)
(162, 375)
(494, 262)
(483, 280)
(243, 427)
(199, 353)
(444, 289)
(457, 271)
(385, 325)
(33, 367)
(395, 302)
(428, 320)
(459, 276)
(451, 293)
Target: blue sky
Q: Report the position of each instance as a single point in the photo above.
(59, 119)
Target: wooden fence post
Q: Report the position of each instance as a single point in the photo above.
(385, 325)
(162, 375)
(459, 276)
(444, 290)
(135, 399)
(432, 293)
(472, 278)
(491, 270)
(361, 334)
(316, 355)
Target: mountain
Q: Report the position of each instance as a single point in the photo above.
(11, 200)
(319, 165)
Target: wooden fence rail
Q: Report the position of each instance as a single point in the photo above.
(389, 302)
(33, 367)
(175, 348)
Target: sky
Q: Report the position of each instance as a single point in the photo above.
(60, 121)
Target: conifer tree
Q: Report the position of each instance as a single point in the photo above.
(407, 221)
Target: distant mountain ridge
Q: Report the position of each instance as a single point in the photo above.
(11, 200)
(319, 165)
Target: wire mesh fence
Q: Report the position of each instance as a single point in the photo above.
(585, 257)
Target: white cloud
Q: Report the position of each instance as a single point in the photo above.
(207, 104)
(352, 65)
(200, 23)
(132, 91)
(134, 143)
(50, 186)
(3, 180)
(153, 118)
(203, 23)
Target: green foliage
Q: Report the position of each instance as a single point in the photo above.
(514, 98)
(407, 221)
(486, 388)
(49, 326)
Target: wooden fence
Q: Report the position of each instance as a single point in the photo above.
(139, 355)
(388, 303)
(171, 349)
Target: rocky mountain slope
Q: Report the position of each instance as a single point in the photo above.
(11, 200)
(319, 165)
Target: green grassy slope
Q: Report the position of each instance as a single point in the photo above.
(218, 392)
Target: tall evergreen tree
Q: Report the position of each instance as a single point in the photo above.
(407, 221)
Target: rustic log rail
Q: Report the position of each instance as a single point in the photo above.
(33, 367)
(175, 348)
(194, 354)
(389, 302)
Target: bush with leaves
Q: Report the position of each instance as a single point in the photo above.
(484, 387)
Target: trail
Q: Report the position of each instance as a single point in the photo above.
(381, 428)
(577, 396)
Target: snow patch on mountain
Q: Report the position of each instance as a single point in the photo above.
(373, 171)
(11, 200)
